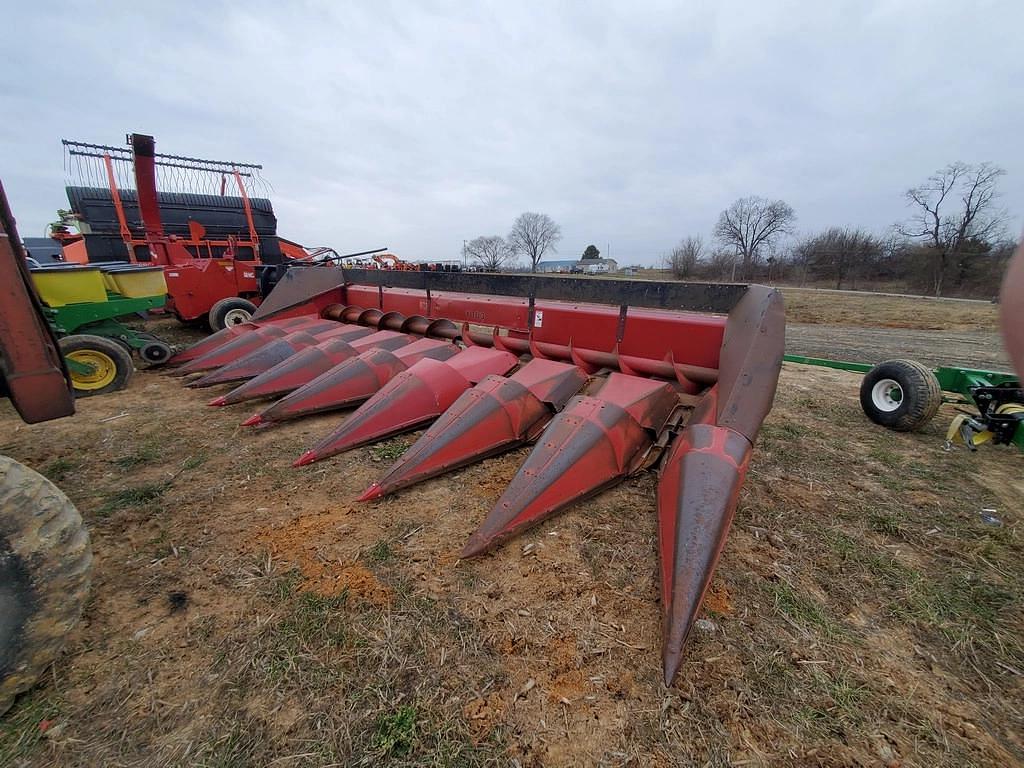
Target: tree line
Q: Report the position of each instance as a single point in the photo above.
(532, 236)
(953, 242)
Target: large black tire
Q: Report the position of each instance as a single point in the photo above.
(230, 311)
(902, 395)
(112, 364)
(45, 564)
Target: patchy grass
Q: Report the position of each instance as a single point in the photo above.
(195, 461)
(396, 732)
(804, 611)
(59, 470)
(148, 495)
(23, 730)
(888, 524)
(380, 552)
(389, 451)
(142, 456)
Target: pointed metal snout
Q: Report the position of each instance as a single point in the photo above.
(356, 379)
(266, 357)
(225, 335)
(244, 344)
(496, 415)
(411, 399)
(700, 481)
(593, 444)
(305, 365)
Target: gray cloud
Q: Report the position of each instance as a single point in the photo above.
(418, 125)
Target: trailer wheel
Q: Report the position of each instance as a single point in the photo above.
(902, 395)
(230, 311)
(45, 561)
(110, 365)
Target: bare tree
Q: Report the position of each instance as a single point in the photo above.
(489, 252)
(752, 224)
(533, 235)
(954, 206)
(722, 263)
(683, 260)
(837, 253)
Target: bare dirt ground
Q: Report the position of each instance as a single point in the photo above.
(866, 610)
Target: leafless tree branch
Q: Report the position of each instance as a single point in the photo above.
(533, 235)
(752, 224)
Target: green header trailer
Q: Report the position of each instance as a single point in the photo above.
(904, 395)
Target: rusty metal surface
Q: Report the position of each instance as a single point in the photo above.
(1011, 310)
(299, 284)
(748, 374)
(700, 480)
(496, 415)
(297, 287)
(32, 366)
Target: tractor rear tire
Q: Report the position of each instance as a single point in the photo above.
(45, 565)
(902, 395)
(112, 364)
(230, 311)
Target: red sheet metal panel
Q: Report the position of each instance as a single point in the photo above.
(1011, 310)
(595, 442)
(244, 344)
(411, 399)
(354, 380)
(305, 365)
(266, 357)
(494, 416)
(227, 334)
(700, 481)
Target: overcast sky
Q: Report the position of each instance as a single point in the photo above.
(417, 125)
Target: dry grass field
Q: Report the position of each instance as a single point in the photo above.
(867, 609)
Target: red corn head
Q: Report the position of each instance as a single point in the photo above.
(593, 444)
(412, 398)
(354, 380)
(305, 365)
(700, 481)
(496, 415)
(244, 344)
(233, 331)
(266, 357)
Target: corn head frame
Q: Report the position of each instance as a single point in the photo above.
(606, 377)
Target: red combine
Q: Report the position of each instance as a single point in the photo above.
(674, 376)
(212, 245)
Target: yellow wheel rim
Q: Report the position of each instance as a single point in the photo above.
(104, 369)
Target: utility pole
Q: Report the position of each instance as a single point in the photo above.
(465, 255)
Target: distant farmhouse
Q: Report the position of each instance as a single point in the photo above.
(590, 263)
